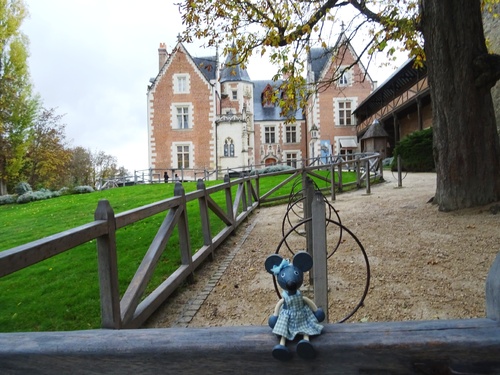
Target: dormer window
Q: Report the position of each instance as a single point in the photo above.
(267, 97)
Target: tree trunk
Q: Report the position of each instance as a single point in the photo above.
(466, 144)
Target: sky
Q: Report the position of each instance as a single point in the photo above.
(92, 61)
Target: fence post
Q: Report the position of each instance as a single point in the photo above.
(184, 241)
(358, 172)
(257, 185)
(332, 171)
(205, 221)
(229, 199)
(308, 193)
(340, 178)
(368, 187)
(381, 166)
(400, 179)
(319, 252)
(108, 268)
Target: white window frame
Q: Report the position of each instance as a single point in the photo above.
(338, 110)
(181, 83)
(271, 130)
(345, 77)
(187, 111)
(292, 130)
(291, 159)
(234, 94)
(182, 152)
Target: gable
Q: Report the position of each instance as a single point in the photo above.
(324, 60)
(204, 67)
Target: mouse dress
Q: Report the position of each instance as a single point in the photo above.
(296, 318)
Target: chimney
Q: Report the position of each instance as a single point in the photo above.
(162, 55)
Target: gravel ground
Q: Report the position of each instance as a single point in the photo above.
(424, 264)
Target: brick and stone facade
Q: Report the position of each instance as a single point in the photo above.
(204, 115)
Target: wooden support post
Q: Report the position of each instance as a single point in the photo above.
(400, 172)
(249, 194)
(368, 187)
(204, 217)
(358, 173)
(108, 268)
(332, 171)
(319, 253)
(493, 291)
(308, 195)
(340, 178)
(381, 167)
(229, 199)
(184, 241)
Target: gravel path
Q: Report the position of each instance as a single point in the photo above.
(424, 264)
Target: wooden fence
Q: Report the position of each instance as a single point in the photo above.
(435, 347)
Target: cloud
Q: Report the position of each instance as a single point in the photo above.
(92, 60)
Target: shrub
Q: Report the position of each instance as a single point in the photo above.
(22, 187)
(64, 191)
(416, 152)
(83, 189)
(26, 197)
(272, 168)
(38, 195)
(7, 199)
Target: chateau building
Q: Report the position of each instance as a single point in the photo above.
(205, 115)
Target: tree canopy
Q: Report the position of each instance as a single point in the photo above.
(466, 149)
(17, 104)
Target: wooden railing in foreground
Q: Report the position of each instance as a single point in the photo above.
(469, 346)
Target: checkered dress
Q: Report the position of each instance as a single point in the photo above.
(296, 318)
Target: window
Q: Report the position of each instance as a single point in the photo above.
(182, 156)
(183, 117)
(269, 134)
(291, 160)
(235, 94)
(228, 147)
(345, 118)
(181, 83)
(291, 134)
(344, 79)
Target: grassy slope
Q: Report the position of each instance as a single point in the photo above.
(62, 293)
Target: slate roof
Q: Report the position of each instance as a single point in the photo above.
(233, 73)
(207, 65)
(262, 113)
(318, 58)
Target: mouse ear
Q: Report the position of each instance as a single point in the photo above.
(303, 261)
(271, 261)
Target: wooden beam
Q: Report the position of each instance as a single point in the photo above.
(456, 346)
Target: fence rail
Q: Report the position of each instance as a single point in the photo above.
(430, 347)
(242, 196)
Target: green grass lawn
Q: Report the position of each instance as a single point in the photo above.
(62, 293)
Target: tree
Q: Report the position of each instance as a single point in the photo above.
(48, 157)
(104, 167)
(17, 106)
(80, 167)
(461, 72)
